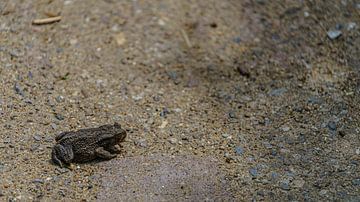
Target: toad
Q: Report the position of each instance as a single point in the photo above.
(88, 144)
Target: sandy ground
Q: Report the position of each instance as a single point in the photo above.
(267, 89)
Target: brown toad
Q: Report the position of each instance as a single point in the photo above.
(88, 144)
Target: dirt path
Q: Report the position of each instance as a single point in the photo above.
(270, 90)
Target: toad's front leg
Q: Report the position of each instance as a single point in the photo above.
(115, 149)
(102, 153)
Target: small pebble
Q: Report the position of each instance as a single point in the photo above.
(62, 192)
(226, 135)
(59, 50)
(156, 98)
(298, 183)
(59, 117)
(30, 75)
(261, 193)
(334, 34)
(164, 112)
(237, 40)
(73, 41)
(253, 172)
(37, 137)
(228, 157)
(232, 114)
(137, 97)
(314, 100)
(243, 71)
(173, 140)
(38, 181)
(49, 139)
(267, 145)
(59, 99)
(339, 26)
(7, 140)
(341, 194)
(53, 126)
(62, 170)
(50, 103)
(161, 22)
(239, 150)
(331, 125)
(27, 101)
(278, 92)
(285, 185)
(34, 147)
(18, 89)
(141, 143)
(323, 192)
(286, 128)
(356, 182)
(274, 176)
(172, 75)
(14, 53)
(351, 26)
(68, 2)
(177, 110)
(192, 82)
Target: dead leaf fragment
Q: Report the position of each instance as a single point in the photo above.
(120, 38)
(163, 124)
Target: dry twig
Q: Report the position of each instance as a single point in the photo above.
(46, 20)
(186, 38)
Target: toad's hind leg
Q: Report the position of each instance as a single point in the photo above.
(54, 157)
(102, 153)
(61, 154)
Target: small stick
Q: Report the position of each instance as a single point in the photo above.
(186, 38)
(46, 20)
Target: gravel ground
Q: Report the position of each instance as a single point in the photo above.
(269, 89)
(164, 178)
